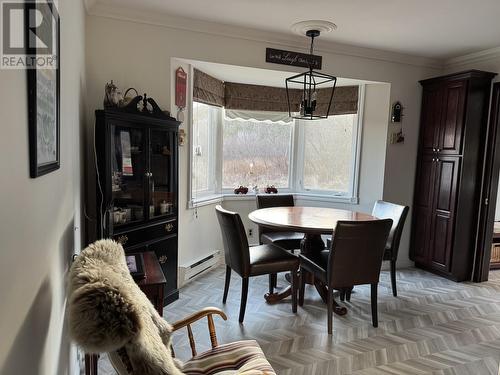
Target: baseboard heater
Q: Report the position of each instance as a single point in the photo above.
(189, 272)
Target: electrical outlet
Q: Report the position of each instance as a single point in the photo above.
(250, 232)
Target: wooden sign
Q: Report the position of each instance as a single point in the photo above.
(180, 88)
(278, 56)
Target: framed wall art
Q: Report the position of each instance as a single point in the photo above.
(43, 50)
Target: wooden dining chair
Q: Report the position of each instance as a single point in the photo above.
(285, 239)
(252, 261)
(355, 258)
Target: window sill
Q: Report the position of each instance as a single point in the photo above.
(302, 196)
(205, 200)
(219, 198)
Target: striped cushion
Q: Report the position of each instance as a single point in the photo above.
(240, 357)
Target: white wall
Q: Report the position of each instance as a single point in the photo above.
(40, 218)
(139, 55)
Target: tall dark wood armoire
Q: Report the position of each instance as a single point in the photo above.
(137, 157)
(453, 132)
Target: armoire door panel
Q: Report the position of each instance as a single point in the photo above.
(425, 181)
(446, 181)
(431, 118)
(446, 184)
(450, 139)
(441, 246)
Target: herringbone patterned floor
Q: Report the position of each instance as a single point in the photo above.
(434, 326)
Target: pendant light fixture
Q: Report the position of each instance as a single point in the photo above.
(310, 94)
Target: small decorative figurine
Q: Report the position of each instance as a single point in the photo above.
(241, 190)
(270, 189)
(112, 96)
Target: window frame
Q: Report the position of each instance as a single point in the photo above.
(295, 165)
(291, 179)
(213, 165)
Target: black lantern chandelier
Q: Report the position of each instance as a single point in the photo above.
(310, 94)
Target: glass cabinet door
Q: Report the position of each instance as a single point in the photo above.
(128, 169)
(162, 190)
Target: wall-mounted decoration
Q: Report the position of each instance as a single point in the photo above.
(180, 88)
(303, 60)
(182, 137)
(397, 135)
(397, 112)
(43, 97)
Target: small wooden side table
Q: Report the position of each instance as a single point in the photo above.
(153, 286)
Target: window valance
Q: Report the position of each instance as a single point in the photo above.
(244, 97)
(207, 89)
(240, 96)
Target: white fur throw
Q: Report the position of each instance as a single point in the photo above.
(108, 312)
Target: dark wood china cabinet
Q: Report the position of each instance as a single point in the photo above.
(137, 156)
(448, 180)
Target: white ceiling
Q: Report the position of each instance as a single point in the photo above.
(255, 76)
(438, 29)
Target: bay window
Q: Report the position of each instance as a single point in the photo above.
(230, 148)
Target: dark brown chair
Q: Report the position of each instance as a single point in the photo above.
(252, 261)
(341, 267)
(398, 214)
(284, 239)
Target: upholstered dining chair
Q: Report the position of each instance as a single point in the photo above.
(108, 313)
(340, 267)
(398, 214)
(252, 261)
(284, 239)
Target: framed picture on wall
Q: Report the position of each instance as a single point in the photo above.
(43, 49)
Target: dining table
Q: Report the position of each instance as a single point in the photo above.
(313, 222)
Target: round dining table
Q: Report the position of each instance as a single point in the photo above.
(313, 222)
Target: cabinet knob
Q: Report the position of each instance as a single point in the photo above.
(122, 239)
(438, 150)
(162, 259)
(433, 150)
(169, 227)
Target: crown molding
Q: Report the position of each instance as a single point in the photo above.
(473, 58)
(290, 41)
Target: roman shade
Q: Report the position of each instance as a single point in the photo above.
(245, 97)
(207, 89)
(240, 96)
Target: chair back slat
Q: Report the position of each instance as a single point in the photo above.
(234, 239)
(398, 214)
(192, 344)
(211, 330)
(357, 250)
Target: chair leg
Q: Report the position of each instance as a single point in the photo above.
(348, 292)
(295, 284)
(374, 305)
(393, 278)
(273, 278)
(302, 286)
(329, 303)
(226, 285)
(342, 294)
(244, 295)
